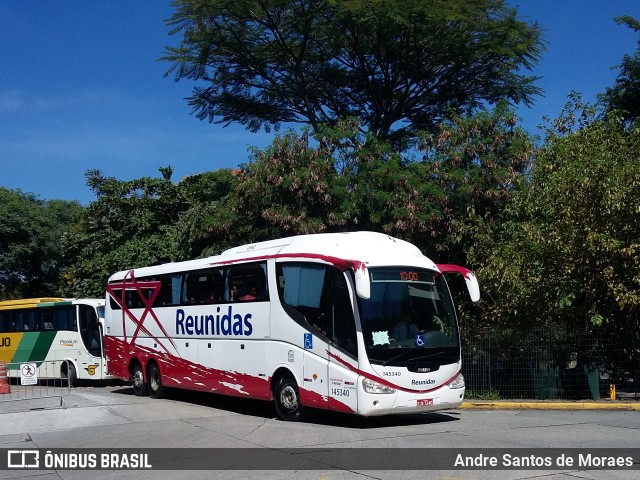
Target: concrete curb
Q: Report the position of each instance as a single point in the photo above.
(549, 405)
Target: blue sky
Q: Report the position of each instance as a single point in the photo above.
(81, 88)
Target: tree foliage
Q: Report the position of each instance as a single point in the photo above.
(31, 234)
(130, 224)
(343, 180)
(569, 254)
(475, 165)
(625, 94)
(142, 222)
(397, 66)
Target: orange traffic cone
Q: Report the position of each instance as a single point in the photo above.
(4, 384)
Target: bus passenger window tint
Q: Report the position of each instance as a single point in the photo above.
(247, 282)
(321, 295)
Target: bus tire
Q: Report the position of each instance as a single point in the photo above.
(286, 397)
(70, 374)
(156, 390)
(137, 380)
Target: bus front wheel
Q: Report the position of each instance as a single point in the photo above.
(156, 389)
(287, 399)
(70, 373)
(137, 378)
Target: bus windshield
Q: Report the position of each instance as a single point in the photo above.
(409, 318)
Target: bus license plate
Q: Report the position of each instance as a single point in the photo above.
(425, 402)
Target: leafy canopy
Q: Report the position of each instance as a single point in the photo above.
(625, 94)
(340, 179)
(569, 253)
(31, 235)
(397, 66)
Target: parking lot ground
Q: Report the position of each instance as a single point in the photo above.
(192, 428)
(551, 405)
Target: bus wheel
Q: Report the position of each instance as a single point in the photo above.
(287, 399)
(70, 374)
(139, 387)
(155, 382)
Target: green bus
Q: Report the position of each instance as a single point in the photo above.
(62, 336)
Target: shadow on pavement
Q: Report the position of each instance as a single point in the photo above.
(258, 408)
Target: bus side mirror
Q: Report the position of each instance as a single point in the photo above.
(363, 283)
(469, 278)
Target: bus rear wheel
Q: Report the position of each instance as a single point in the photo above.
(156, 390)
(287, 399)
(137, 378)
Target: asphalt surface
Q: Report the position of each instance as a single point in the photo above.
(188, 425)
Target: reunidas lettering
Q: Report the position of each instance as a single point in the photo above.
(428, 381)
(226, 324)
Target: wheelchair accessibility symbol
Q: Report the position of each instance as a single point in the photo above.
(308, 341)
(420, 340)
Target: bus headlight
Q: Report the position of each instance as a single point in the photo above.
(374, 387)
(457, 382)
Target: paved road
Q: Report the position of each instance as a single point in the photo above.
(112, 417)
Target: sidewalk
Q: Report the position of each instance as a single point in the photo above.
(551, 405)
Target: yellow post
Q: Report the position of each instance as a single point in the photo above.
(612, 391)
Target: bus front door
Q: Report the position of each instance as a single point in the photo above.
(314, 388)
(342, 381)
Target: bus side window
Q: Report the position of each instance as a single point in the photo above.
(27, 319)
(247, 283)
(301, 286)
(201, 287)
(167, 295)
(47, 320)
(340, 312)
(117, 294)
(65, 318)
(189, 287)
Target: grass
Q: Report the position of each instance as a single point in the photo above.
(491, 394)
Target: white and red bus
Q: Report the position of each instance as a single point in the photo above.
(354, 322)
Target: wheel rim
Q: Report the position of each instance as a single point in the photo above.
(289, 398)
(137, 379)
(154, 381)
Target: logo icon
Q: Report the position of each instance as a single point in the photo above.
(23, 459)
(420, 340)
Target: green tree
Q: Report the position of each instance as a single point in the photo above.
(470, 170)
(440, 196)
(31, 234)
(288, 188)
(625, 94)
(141, 222)
(569, 255)
(208, 197)
(398, 66)
(131, 224)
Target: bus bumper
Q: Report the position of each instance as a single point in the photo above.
(403, 402)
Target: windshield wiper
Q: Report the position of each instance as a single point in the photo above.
(431, 355)
(397, 357)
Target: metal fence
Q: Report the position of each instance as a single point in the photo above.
(539, 365)
(34, 385)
